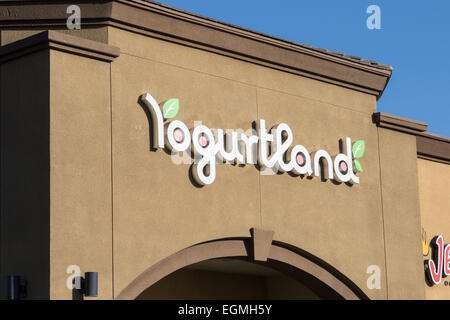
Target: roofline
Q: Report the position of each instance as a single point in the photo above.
(163, 22)
(268, 36)
(429, 146)
(61, 42)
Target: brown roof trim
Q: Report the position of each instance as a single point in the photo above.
(252, 33)
(429, 146)
(164, 22)
(390, 121)
(58, 41)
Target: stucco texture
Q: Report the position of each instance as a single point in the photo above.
(157, 210)
(24, 225)
(80, 171)
(401, 215)
(434, 181)
(117, 208)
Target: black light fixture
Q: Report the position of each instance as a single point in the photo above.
(16, 288)
(87, 286)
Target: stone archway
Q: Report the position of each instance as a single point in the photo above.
(326, 281)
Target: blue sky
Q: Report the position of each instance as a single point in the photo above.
(414, 38)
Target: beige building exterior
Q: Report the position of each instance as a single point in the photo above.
(82, 185)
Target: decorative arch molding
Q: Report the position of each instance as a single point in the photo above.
(324, 280)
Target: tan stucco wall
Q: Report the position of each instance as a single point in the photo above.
(401, 214)
(434, 181)
(80, 171)
(24, 217)
(117, 208)
(158, 210)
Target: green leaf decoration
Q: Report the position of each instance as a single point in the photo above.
(358, 148)
(170, 108)
(358, 165)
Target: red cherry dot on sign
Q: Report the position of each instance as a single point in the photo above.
(203, 141)
(300, 159)
(178, 135)
(343, 166)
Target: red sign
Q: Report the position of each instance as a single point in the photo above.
(438, 266)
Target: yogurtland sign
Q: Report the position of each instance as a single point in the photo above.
(272, 150)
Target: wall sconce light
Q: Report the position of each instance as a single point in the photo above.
(16, 288)
(87, 286)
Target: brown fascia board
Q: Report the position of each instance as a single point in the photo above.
(429, 146)
(61, 42)
(433, 147)
(171, 24)
(398, 123)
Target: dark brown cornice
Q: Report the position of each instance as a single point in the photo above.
(433, 147)
(164, 22)
(61, 42)
(429, 146)
(398, 123)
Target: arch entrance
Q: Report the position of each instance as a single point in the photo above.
(242, 268)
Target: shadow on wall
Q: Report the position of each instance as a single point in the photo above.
(228, 279)
(222, 266)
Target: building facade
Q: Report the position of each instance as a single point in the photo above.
(112, 161)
